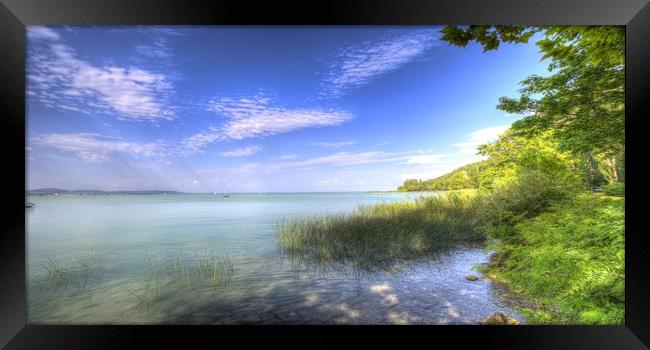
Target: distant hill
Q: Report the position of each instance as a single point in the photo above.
(463, 177)
(50, 191)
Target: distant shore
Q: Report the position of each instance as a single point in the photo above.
(54, 191)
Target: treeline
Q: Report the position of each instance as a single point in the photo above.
(464, 177)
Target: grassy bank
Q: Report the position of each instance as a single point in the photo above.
(569, 261)
(375, 236)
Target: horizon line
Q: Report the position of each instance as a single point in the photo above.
(53, 189)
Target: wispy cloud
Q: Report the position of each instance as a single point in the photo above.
(242, 152)
(335, 144)
(41, 33)
(428, 166)
(338, 159)
(155, 30)
(257, 117)
(359, 65)
(479, 137)
(288, 157)
(425, 159)
(60, 79)
(95, 148)
(344, 159)
(159, 49)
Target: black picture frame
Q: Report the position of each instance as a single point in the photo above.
(16, 14)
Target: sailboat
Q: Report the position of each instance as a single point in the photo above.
(225, 194)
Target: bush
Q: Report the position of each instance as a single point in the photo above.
(525, 197)
(570, 261)
(615, 189)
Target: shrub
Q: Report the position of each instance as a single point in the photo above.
(570, 262)
(615, 189)
(526, 177)
(525, 197)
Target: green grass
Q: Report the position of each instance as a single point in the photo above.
(569, 261)
(374, 237)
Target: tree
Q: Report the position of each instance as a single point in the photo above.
(459, 180)
(411, 185)
(582, 101)
(526, 175)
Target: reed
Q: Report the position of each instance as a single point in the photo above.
(56, 271)
(376, 236)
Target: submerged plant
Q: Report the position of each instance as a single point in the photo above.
(217, 269)
(149, 296)
(155, 266)
(56, 272)
(86, 267)
(205, 268)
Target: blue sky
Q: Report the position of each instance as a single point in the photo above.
(260, 109)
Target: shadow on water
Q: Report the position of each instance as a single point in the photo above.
(206, 288)
(427, 292)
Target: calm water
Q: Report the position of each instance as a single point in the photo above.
(138, 258)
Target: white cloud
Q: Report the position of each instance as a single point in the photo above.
(59, 79)
(335, 144)
(406, 176)
(94, 148)
(131, 92)
(479, 137)
(257, 117)
(288, 157)
(242, 152)
(158, 50)
(339, 159)
(41, 33)
(334, 181)
(359, 65)
(424, 159)
(429, 166)
(345, 159)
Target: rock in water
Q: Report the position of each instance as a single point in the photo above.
(498, 318)
(471, 278)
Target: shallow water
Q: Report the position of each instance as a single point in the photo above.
(132, 259)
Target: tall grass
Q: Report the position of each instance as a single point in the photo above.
(375, 236)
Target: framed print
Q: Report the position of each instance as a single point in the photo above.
(394, 170)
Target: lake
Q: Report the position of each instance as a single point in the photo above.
(209, 259)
